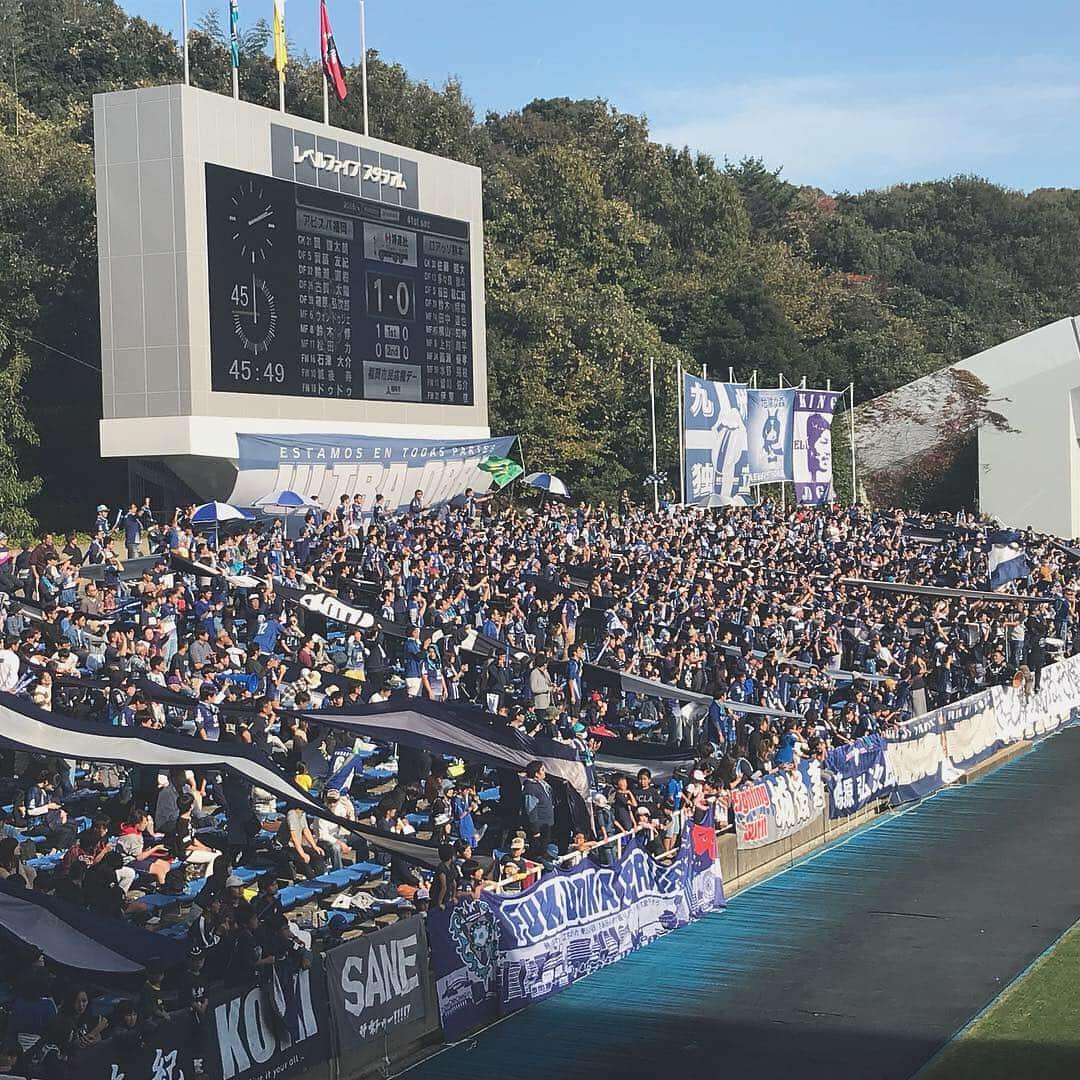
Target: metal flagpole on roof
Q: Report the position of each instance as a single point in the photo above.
(234, 46)
(363, 64)
(652, 402)
(183, 30)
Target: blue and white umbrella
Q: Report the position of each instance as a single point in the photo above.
(287, 500)
(546, 482)
(213, 513)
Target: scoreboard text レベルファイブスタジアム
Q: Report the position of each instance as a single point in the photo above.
(315, 293)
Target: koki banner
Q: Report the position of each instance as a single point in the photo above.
(811, 445)
(717, 460)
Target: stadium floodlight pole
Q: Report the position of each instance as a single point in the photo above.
(679, 417)
(363, 64)
(183, 30)
(851, 414)
(652, 402)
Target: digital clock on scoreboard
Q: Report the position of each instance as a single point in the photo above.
(314, 293)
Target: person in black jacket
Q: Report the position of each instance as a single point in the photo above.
(539, 806)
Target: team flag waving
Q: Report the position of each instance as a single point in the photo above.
(234, 32)
(335, 74)
(281, 53)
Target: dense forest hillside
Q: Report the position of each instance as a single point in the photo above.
(603, 249)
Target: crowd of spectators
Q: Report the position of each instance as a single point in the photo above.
(484, 606)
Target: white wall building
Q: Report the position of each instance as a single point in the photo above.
(1029, 469)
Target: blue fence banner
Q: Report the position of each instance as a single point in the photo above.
(717, 458)
(778, 805)
(811, 445)
(768, 430)
(329, 466)
(499, 953)
(857, 774)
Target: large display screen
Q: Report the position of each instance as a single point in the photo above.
(314, 293)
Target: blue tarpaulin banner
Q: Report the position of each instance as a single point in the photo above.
(857, 774)
(329, 466)
(497, 954)
(778, 805)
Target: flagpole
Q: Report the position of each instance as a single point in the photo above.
(854, 487)
(652, 402)
(363, 64)
(783, 483)
(183, 27)
(234, 35)
(682, 451)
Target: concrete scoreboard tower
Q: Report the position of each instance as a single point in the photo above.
(265, 275)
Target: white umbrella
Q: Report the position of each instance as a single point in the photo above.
(212, 513)
(546, 482)
(287, 500)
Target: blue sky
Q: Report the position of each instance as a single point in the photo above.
(844, 95)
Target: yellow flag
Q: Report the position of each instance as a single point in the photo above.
(281, 55)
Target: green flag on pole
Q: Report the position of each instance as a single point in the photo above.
(502, 470)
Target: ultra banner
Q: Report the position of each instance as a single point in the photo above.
(918, 757)
(329, 466)
(857, 774)
(768, 431)
(497, 954)
(378, 986)
(717, 463)
(811, 445)
(777, 806)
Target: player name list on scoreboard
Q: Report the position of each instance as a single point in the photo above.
(314, 293)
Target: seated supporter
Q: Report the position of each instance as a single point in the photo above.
(182, 843)
(306, 856)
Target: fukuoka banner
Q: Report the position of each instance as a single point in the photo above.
(811, 445)
(768, 429)
(717, 459)
(778, 805)
(329, 466)
(857, 774)
(497, 954)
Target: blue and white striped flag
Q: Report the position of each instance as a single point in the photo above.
(1007, 561)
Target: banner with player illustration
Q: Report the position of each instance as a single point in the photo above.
(737, 437)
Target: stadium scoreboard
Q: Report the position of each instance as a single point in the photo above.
(319, 293)
(263, 273)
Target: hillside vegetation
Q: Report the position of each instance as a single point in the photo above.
(603, 248)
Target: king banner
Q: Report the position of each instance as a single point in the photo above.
(811, 445)
(717, 461)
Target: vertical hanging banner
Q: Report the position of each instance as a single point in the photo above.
(768, 429)
(811, 445)
(716, 459)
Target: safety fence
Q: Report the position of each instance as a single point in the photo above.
(373, 1002)
(909, 762)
